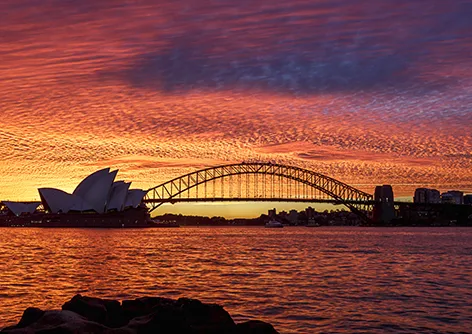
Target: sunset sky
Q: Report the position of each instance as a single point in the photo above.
(366, 91)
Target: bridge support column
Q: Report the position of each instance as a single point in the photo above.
(384, 210)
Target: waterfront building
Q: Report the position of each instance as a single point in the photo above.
(98, 201)
(19, 208)
(98, 192)
(425, 195)
(452, 197)
(293, 217)
(468, 199)
(272, 213)
(310, 212)
(283, 214)
(447, 199)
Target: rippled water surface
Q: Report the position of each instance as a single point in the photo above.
(302, 280)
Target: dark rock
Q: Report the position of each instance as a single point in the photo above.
(200, 315)
(142, 315)
(30, 315)
(255, 327)
(59, 322)
(104, 311)
(184, 316)
(143, 306)
(162, 322)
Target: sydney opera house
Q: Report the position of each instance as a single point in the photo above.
(98, 201)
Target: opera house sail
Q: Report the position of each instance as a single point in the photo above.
(97, 201)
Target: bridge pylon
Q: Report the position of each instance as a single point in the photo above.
(384, 210)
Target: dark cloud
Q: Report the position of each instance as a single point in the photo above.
(299, 46)
(305, 47)
(186, 67)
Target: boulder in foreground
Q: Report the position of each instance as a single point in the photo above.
(142, 315)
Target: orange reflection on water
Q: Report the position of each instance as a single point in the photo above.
(299, 279)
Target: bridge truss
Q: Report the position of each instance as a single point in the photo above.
(258, 182)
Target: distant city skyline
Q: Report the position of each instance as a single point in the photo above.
(367, 92)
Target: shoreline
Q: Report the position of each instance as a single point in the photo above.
(231, 226)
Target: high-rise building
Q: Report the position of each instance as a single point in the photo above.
(283, 214)
(447, 198)
(425, 195)
(452, 197)
(468, 199)
(272, 213)
(310, 212)
(293, 216)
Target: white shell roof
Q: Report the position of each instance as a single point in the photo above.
(19, 207)
(96, 192)
(80, 204)
(84, 186)
(134, 197)
(56, 200)
(117, 197)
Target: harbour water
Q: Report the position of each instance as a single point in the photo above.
(302, 280)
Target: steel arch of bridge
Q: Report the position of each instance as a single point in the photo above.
(342, 193)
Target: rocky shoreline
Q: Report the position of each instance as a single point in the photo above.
(142, 315)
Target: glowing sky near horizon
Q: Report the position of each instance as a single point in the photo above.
(369, 92)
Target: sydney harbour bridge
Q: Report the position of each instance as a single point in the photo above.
(264, 182)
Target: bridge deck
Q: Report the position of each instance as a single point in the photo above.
(260, 199)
